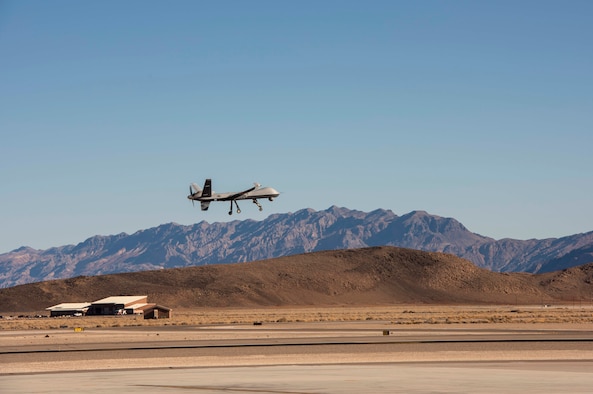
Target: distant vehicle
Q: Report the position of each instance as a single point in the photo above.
(207, 195)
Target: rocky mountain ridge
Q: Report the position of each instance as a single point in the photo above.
(173, 245)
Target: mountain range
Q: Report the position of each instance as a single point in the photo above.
(172, 245)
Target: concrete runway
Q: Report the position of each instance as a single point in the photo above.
(299, 358)
(487, 377)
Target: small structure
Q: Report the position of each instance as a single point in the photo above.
(69, 309)
(118, 305)
(153, 311)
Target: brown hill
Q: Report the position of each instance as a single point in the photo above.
(369, 276)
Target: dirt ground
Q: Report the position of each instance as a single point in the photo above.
(398, 315)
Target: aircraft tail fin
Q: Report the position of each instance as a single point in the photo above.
(207, 192)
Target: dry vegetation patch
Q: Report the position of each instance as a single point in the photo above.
(397, 315)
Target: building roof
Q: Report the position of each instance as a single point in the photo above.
(69, 306)
(138, 306)
(125, 300)
(163, 308)
(145, 307)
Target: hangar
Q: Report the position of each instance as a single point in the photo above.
(129, 305)
(118, 305)
(114, 305)
(69, 309)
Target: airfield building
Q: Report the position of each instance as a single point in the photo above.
(114, 305)
(69, 309)
(157, 312)
(128, 305)
(118, 305)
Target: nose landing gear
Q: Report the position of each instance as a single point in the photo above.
(258, 204)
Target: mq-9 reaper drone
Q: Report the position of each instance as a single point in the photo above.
(207, 195)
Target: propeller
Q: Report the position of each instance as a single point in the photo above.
(191, 194)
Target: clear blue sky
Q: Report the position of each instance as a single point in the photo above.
(481, 111)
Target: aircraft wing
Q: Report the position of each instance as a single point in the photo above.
(240, 194)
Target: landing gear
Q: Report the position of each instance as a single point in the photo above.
(231, 208)
(239, 209)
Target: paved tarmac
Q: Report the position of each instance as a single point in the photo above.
(348, 358)
(445, 377)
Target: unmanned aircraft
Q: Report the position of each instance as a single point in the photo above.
(207, 195)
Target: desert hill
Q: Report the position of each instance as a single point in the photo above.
(305, 231)
(368, 276)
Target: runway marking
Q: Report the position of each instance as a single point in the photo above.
(377, 341)
(214, 388)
